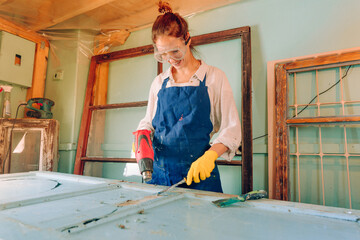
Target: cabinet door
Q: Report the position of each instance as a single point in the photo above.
(31, 145)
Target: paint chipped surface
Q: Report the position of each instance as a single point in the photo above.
(93, 208)
(136, 202)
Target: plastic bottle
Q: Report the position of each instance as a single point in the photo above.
(6, 103)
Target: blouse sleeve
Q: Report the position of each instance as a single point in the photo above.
(228, 118)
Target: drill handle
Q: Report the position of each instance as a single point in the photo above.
(143, 145)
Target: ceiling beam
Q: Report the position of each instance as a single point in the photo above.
(21, 31)
(60, 11)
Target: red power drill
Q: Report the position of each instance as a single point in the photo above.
(144, 153)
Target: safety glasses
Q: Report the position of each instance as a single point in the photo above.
(176, 53)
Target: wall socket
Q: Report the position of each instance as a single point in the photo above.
(59, 75)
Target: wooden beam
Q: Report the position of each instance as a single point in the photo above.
(39, 73)
(119, 105)
(133, 160)
(123, 54)
(281, 143)
(246, 112)
(197, 40)
(319, 120)
(85, 120)
(324, 60)
(22, 31)
(66, 9)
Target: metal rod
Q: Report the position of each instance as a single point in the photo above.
(326, 154)
(347, 167)
(298, 161)
(327, 103)
(322, 167)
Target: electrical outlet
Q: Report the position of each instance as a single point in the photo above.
(59, 75)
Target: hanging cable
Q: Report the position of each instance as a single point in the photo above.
(345, 74)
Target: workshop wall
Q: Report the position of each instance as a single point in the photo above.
(280, 29)
(68, 93)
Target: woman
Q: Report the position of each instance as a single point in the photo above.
(188, 104)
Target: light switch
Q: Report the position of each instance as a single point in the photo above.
(59, 75)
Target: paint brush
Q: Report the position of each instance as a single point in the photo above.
(241, 198)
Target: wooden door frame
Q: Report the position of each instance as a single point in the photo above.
(246, 108)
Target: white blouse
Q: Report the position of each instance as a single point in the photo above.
(224, 115)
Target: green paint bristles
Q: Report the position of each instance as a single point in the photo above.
(242, 198)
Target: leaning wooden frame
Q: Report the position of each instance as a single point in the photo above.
(242, 33)
(283, 122)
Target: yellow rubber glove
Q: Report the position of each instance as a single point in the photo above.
(202, 167)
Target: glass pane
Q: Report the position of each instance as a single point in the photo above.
(331, 110)
(293, 179)
(333, 139)
(291, 87)
(328, 78)
(305, 87)
(336, 184)
(305, 111)
(309, 140)
(351, 83)
(126, 79)
(111, 132)
(353, 138)
(310, 179)
(292, 140)
(25, 151)
(354, 169)
(352, 108)
(231, 50)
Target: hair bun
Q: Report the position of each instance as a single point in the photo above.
(164, 7)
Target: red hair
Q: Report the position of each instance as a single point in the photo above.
(169, 23)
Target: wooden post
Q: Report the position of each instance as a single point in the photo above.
(39, 74)
(85, 120)
(246, 115)
(281, 170)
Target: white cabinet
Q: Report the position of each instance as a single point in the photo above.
(16, 59)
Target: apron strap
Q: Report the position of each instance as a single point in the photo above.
(165, 83)
(203, 82)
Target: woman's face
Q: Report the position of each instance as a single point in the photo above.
(172, 50)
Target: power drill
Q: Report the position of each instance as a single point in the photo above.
(144, 153)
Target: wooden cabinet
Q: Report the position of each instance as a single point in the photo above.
(29, 145)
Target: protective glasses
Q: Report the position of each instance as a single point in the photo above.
(177, 53)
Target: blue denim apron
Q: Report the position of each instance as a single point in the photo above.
(182, 135)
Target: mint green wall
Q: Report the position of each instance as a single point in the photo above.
(67, 54)
(280, 29)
